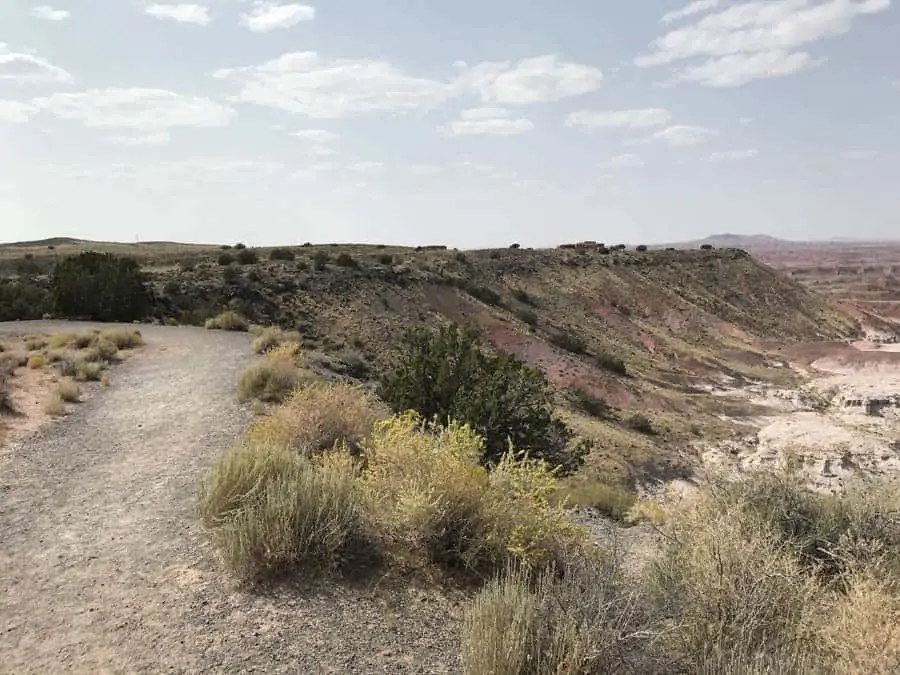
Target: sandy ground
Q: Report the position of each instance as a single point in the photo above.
(104, 569)
(836, 444)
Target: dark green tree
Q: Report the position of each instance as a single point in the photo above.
(100, 287)
(449, 376)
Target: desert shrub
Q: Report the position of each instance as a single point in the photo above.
(320, 260)
(85, 339)
(831, 534)
(568, 341)
(246, 256)
(351, 363)
(640, 248)
(35, 342)
(486, 295)
(345, 260)
(446, 375)
(105, 350)
(54, 405)
(228, 320)
(524, 297)
(273, 377)
(36, 362)
(6, 403)
(732, 590)
(427, 488)
(590, 404)
(273, 337)
(706, 247)
(385, 258)
(88, 371)
(22, 299)
(611, 363)
(100, 287)
(281, 253)
(272, 511)
(642, 424)
(68, 391)
(580, 620)
(239, 247)
(459, 256)
(318, 416)
(611, 501)
(527, 316)
(515, 246)
(123, 338)
(226, 259)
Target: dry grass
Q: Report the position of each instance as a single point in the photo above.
(9, 361)
(581, 620)
(426, 488)
(273, 511)
(104, 350)
(609, 500)
(273, 337)
(84, 339)
(228, 320)
(6, 404)
(68, 391)
(36, 362)
(123, 338)
(35, 342)
(273, 377)
(319, 416)
(88, 371)
(55, 406)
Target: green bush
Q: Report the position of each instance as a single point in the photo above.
(22, 300)
(641, 424)
(225, 259)
(446, 375)
(100, 287)
(568, 341)
(282, 254)
(345, 260)
(611, 363)
(320, 259)
(247, 256)
(590, 404)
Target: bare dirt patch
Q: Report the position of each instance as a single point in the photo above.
(825, 423)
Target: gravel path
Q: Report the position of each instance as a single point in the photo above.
(103, 568)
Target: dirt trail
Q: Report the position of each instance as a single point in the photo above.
(103, 568)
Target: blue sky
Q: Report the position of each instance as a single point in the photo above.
(465, 123)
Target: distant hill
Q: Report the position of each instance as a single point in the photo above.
(746, 242)
(52, 241)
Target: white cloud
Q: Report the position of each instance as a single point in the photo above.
(859, 154)
(147, 110)
(679, 136)
(267, 16)
(696, 7)
(146, 140)
(745, 120)
(322, 88)
(365, 167)
(539, 79)
(321, 151)
(739, 69)
(589, 120)
(316, 135)
(488, 121)
(757, 39)
(624, 161)
(26, 68)
(182, 13)
(15, 112)
(733, 155)
(47, 13)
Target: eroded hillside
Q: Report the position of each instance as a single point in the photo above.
(632, 340)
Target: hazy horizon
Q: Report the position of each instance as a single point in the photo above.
(470, 124)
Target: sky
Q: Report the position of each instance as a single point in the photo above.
(470, 124)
